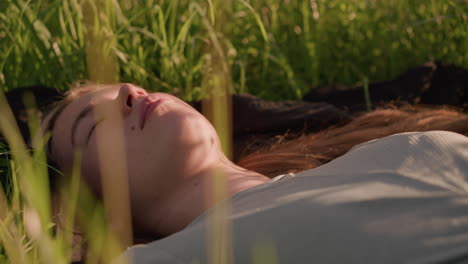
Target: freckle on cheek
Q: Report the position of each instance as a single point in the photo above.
(132, 127)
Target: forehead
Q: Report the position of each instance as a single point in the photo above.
(61, 132)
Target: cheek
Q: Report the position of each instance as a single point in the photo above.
(90, 170)
(172, 143)
(188, 127)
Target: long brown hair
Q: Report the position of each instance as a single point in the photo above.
(310, 151)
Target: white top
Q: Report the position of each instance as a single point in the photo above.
(399, 199)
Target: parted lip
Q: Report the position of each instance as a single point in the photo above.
(148, 106)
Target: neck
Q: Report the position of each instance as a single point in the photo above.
(196, 195)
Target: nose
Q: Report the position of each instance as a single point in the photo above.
(128, 93)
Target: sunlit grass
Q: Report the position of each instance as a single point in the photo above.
(101, 57)
(217, 86)
(25, 221)
(195, 49)
(276, 49)
(29, 229)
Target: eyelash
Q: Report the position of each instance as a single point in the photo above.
(93, 128)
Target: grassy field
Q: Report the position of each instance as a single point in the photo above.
(276, 49)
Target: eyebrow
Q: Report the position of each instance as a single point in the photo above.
(51, 123)
(78, 119)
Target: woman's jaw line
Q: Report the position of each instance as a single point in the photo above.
(173, 212)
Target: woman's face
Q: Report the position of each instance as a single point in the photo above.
(164, 139)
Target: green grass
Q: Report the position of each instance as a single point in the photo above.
(276, 49)
(28, 232)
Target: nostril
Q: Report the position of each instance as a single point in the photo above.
(129, 100)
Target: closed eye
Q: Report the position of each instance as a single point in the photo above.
(92, 130)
